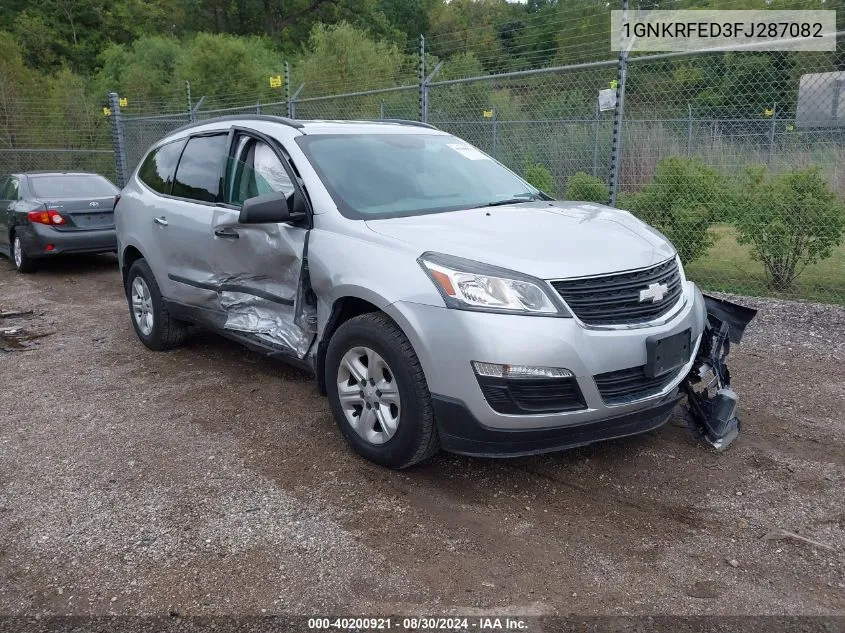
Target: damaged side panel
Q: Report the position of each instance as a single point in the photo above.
(262, 282)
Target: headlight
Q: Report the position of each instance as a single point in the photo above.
(469, 285)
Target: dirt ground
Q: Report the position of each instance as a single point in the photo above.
(209, 480)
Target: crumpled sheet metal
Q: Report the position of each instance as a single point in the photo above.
(269, 320)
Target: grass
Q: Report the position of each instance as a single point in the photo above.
(728, 267)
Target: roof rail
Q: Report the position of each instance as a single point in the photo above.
(240, 117)
(407, 122)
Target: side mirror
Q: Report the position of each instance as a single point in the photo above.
(273, 207)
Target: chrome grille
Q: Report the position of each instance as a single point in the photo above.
(615, 299)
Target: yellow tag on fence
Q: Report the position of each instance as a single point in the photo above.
(768, 112)
(123, 101)
(276, 81)
(487, 114)
(106, 111)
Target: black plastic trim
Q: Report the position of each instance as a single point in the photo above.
(232, 288)
(509, 395)
(460, 432)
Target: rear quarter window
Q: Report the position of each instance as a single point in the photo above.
(159, 166)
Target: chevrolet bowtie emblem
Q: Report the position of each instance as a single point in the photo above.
(655, 292)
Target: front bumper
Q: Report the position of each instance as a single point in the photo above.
(461, 433)
(446, 341)
(36, 237)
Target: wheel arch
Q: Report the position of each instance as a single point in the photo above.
(343, 309)
(129, 256)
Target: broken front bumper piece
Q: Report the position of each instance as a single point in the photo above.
(711, 402)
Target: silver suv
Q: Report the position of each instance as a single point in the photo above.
(440, 300)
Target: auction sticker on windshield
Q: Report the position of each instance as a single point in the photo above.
(467, 151)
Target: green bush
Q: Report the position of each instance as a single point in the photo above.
(789, 221)
(684, 199)
(582, 186)
(539, 175)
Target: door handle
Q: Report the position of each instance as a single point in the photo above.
(227, 232)
(160, 220)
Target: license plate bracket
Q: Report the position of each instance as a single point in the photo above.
(663, 354)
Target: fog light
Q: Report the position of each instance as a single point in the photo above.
(493, 370)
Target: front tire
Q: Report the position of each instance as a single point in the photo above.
(378, 393)
(153, 324)
(23, 262)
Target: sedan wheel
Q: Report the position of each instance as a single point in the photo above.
(142, 306)
(369, 395)
(17, 251)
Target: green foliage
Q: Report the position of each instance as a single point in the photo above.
(789, 221)
(218, 65)
(682, 201)
(539, 176)
(144, 71)
(588, 188)
(342, 58)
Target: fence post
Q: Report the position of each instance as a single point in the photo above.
(423, 113)
(495, 132)
(597, 126)
(118, 140)
(287, 89)
(190, 102)
(292, 102)
(689, 129)
(772, 133)
(618, 113)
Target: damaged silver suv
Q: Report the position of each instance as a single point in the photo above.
(440, 300)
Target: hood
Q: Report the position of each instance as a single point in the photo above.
(549, 240)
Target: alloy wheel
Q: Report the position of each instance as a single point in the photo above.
(17, 251)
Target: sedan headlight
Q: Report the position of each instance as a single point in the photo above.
(468, 285)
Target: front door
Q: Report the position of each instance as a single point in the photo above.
(260, 265)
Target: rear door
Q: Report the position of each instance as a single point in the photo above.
(260, 265)
(184, 226)
(86, 201)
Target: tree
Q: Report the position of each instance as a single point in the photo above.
(790, 221)
(144, 72)
(682, 201)
(341, 58)
(224, 66)
(588, 188)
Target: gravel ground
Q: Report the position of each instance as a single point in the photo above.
(209, 480)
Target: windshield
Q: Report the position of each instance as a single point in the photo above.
(373, 176)
(71, 186)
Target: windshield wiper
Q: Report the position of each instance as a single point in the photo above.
(498, 203)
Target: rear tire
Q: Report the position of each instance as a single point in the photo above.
(393, 426)
(152, 322)
(23, 262)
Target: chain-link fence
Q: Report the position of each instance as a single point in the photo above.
(735, 156)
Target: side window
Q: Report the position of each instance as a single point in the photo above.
(255, 170)
(12, 191)
(4, 182)
(157, 170)
(200, 169)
